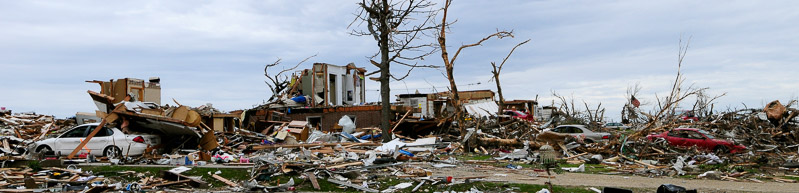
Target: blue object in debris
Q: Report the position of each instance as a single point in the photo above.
(365, 137)
(299, 99)
(349, 136)
(406, 152)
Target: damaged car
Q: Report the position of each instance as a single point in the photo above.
(109, 142)
(688, 137)
(581, 131)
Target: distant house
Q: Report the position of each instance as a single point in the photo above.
(434, 105)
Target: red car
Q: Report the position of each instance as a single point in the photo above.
(688, 116)
(687, 137)
(518, 115)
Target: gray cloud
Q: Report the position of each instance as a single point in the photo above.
(214, 51)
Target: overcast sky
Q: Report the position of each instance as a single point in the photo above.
(215, 51)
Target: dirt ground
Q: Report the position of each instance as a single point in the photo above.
(620, 181)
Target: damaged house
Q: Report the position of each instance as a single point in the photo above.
(319, 96)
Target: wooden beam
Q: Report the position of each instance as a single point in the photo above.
(226, 181)
(400, 121)
(260, 147)
(347, 184)
(112, 116)
(312, 178)
(167, 184)
(344, 165)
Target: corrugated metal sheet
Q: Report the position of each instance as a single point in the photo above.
(482, 109)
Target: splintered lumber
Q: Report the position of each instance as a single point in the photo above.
(99, 189)
(312, 178)
(357, 187)
(260, 147)
(178, 177)
(226, 181)
(110, 118)
(418, 186)
(500, 142)
(399, 122)
(783, 180)
(68, 170)
(730, 178)
(578, 155)
(344, 165)
(17, 190)
(471, 177)
(638, 162)
(168, 183)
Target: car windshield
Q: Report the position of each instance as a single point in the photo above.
(706, 134)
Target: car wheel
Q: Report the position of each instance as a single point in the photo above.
(720, 149)
(43, 149)
(112, 152)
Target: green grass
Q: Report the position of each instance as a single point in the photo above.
(304, 185)
(589, 168)
(687, 176)
(472, 156)
(790, 178)
(114, 172)
(482, 186)
(503, 187)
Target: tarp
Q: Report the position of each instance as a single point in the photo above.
(482, 109)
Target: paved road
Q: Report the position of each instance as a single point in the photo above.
(599, 181)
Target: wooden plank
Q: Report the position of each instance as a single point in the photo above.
(400, 121)
(260, 147)
(110, 118)
(344, 165)
(16, 190)
(226, 181)
(358, 187)
(578, 155)
(168, 184)
(312, 178)
(175, 176)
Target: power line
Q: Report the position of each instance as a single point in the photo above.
(424, 88)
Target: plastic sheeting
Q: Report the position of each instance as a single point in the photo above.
(482, 109)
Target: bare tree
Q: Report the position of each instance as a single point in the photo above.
(497, 70)
(279, 82)
(594, 117)
(666, 107)
(449, 63)
(397, 32)
(703, 107)
(631, 113)
(567, 109)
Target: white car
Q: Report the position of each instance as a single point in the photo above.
(616, 126)
(109, 142)
(581, 130)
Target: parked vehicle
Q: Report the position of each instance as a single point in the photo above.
(110, 142)
(581, 130)
(616, 126)
(518, 115)
(687, 137)
(688, 116)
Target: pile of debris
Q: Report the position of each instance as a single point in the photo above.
(19, 130)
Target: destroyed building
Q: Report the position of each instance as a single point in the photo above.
(332, 85)
(320, 96)
(436, 105)
(138, 89)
